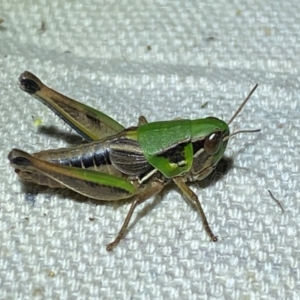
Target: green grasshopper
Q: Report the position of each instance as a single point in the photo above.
(119, 163)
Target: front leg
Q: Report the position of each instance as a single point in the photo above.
(194, 198)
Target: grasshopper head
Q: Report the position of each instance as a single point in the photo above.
(210, 136)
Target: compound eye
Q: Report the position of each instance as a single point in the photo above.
(213, 142)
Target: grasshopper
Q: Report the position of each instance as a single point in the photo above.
(119, 163)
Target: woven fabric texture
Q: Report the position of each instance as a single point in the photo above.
(163, 60)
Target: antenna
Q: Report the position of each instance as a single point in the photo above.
(243, 104)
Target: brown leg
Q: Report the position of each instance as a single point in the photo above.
(154, 189)
(142, 121)
(193, 197)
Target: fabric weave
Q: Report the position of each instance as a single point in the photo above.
(163, 60)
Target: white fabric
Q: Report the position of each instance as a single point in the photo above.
(162, 59)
